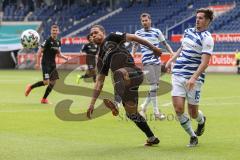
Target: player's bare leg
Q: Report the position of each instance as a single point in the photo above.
(178, 103)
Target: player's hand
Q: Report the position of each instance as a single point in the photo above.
(37, 66)
(66, 59)
(157, 51)
(191, 83)
(168, 64)
(90, 111)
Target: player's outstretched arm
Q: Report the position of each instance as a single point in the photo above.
(132, 37)
(59, 54)
(168, 47)
(173, 58)
(96, 92)
(135, 47)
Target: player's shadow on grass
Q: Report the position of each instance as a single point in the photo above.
(62, 109)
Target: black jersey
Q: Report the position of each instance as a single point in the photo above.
(113, 54)
(90, 49)
(50, 49)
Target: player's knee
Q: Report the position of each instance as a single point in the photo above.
(194, 116)
(117, 75)
(120, 73)
(153, 90)
(179, 110)
(123, 73)
(153, 87)
(52, 83)
(130, 107)
(179, 113)
(46, 82)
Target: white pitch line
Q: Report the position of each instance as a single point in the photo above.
(218, 104)
(167, 104)
(230, 97)
(209, 100)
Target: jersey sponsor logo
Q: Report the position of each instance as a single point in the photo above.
(55, 48)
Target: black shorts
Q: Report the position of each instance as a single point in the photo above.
(131, 90)
(91, 61)
(49, 72)
(238, 61)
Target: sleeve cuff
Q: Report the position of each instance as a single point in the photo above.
(206, 53)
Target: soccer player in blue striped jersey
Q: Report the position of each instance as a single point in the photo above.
(151, 63)
(188, 72)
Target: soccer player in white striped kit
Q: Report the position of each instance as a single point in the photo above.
(188, 73)
(151, 63)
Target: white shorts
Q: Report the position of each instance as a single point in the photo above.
(179, 89)
(152, 73)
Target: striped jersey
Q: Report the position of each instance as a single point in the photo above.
(154, 36)
(194, 44)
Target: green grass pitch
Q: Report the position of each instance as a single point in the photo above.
(31, 131)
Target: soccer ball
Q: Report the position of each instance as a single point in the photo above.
(30, 39)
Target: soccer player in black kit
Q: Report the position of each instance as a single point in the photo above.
(91, 50)
(126, 75)
(48, 50)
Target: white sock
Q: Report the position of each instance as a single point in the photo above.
(200, 118)
(153, 95)
(186, 124)
(146, 102)
(155, 105)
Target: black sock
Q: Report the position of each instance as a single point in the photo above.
(48, 90)
(141, 123)
(37, 84)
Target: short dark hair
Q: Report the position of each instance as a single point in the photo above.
(145, 15)
(54, 26)
(208, 13)
(99, 27)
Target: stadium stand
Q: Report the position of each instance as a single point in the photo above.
(165, 14)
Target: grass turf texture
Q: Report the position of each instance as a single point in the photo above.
(31, 131)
